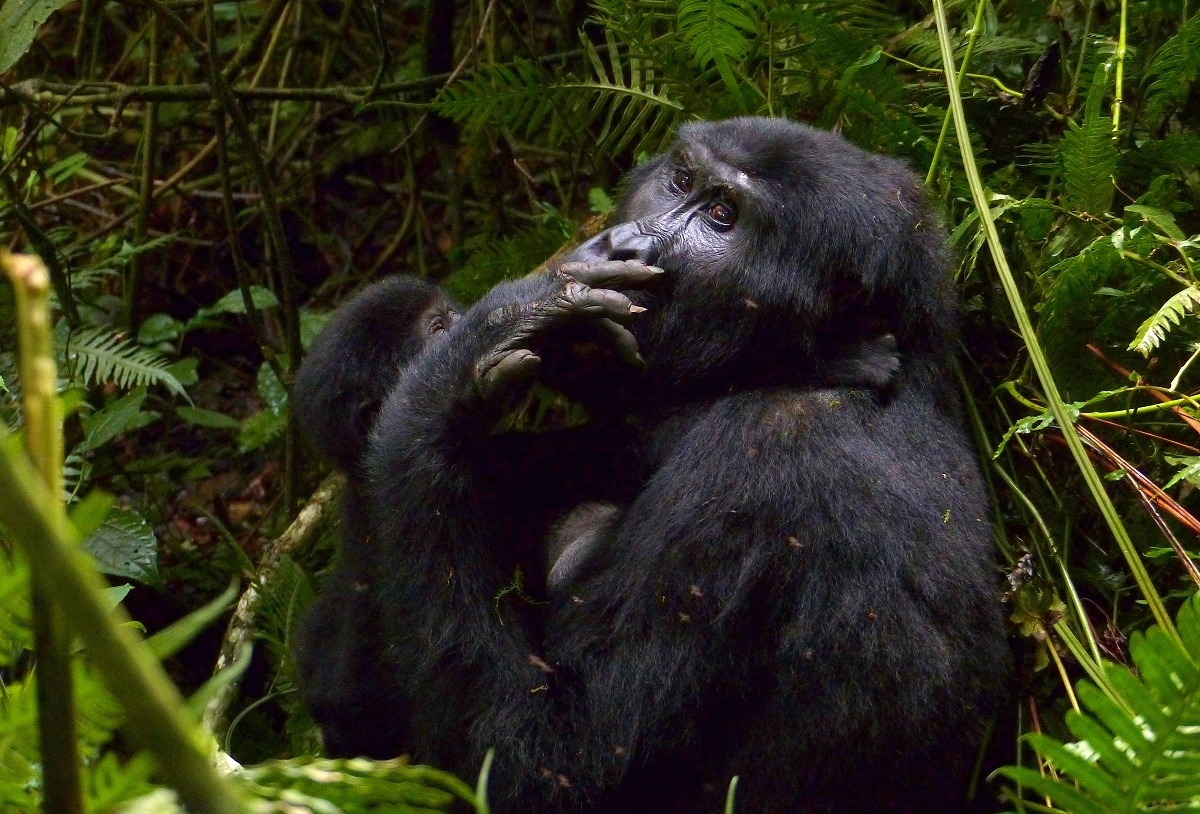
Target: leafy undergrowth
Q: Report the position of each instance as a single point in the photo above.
(196, 246)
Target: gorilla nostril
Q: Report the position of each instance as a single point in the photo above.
(635, 247)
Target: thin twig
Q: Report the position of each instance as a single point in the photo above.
(149, 147)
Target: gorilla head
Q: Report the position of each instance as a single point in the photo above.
(782, 244)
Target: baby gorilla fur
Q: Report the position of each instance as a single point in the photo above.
(786, 564)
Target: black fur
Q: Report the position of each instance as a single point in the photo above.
(797, 585)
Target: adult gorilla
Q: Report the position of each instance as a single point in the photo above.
(791, 577)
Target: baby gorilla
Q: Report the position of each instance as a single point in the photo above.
(361, 353)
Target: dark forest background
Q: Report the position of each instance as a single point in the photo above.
(204, 181)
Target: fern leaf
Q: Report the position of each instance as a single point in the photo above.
(1151, 333)
(637, 106)
(1143, 760)
(1089, 156)
(718, 30)
(96, 355)
(515, 96)
(1173, 69)
(1072, 284)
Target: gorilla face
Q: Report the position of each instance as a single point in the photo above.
(781, 243)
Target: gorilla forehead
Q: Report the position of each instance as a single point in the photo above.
(786, 155)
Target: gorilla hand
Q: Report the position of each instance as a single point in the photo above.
(574, 291)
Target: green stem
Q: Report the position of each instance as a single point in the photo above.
(62, 782)
(1036, 356)
(980, 76)
(1137, 258)
(1120, 92)
(1083, 44)
(972, 36)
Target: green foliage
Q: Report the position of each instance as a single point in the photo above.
(97, 355)
(355, 786)
(1089, 157)
(1139, 754)
(20, 21)
(1101, 227)
(1173, 69)
(1151, 333)
(125, 546)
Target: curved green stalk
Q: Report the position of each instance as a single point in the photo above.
(62, 780)
(972, 36)
(1042, 368)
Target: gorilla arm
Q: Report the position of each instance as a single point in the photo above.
(438, 553)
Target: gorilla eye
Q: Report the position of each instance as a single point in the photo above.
(722, 214)
(682, 180)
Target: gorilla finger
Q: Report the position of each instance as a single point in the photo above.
(504, 374)
(627, 346)
(602, 302)
(612, 273)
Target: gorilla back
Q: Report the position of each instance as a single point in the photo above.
(792, 580)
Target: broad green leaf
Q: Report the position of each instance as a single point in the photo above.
(185, 371)
(261, 428)
(125, 546)
(311, 324)
(232, 303)
(208, 418)
(20, 21)
(159, 328)
(116, 594)
(102, 426)
(1161, 218)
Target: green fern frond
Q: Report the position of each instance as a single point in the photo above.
(1146, 761)
(518, 96)
(1151, 333)
(95, 355)
(718, 30)
(626, 100)
(1173, 69)
(633, 104)
(1089, 156)
(1073, 283)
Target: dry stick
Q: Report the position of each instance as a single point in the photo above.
(149, 145)
(238, 633)
(62, 783)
